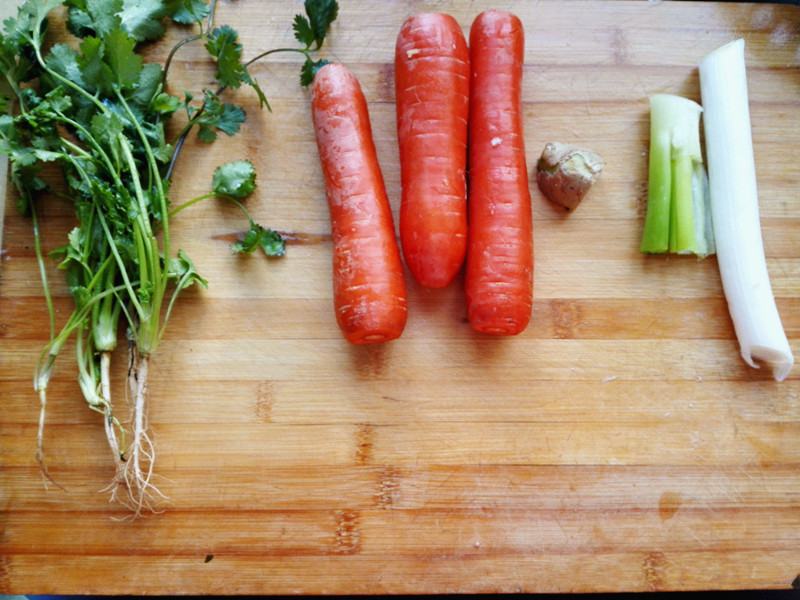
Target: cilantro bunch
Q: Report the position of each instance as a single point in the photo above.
(95, 111)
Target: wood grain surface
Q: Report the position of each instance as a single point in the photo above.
(619, 444)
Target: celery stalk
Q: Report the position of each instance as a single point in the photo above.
(677, 217)
(734, 206)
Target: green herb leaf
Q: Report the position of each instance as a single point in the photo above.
(148, 86)
(187, 12)
(236, 179)
(268, 240)
(225, 117)
(97, 74)
(309, 70)
(141, 19)
(321, 13)
(104, 15)
(303, 31)
(182, 271)
(64, 61)
(165, 104)
(231, 72)
(122, 58)
(222, 45)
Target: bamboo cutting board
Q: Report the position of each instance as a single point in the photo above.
(619, 444)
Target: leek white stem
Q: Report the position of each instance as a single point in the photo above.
(734, 210)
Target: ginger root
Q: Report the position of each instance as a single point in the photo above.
(566, 172)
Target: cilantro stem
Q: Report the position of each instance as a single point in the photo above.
(175, 211)
(37, 245)
(303, 51)
(64, 81)
(175, 48)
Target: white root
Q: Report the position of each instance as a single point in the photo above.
(40, 442)
(109, 421)
(134, 485)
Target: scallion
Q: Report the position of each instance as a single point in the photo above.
(678, 218)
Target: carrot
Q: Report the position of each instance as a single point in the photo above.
(499, 272)
(432, 94)
(369, 290)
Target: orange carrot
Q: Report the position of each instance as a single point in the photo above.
(499, 272)
(432, 93)
(369, 290)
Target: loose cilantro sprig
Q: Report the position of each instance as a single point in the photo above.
(235, 181)
(309, 29)
(96, 111)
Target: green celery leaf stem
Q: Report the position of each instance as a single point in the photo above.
(682, 231)
(655, 239)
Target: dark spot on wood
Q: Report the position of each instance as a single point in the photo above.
(388, 486)
(5, 578)
(369, 360)
(364, 437)
(292, 238)
(347, 538)
(668, 505)
(653, 570)
(385, 83)
(566, 317)
(620, 47)
(209, 558)
(265, 398)
(641, 189)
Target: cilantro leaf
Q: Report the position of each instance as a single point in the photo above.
(16, 52)
(222, 44)
(187, 12)
(225, 117)
(205, 133)
(182, 271)
(303, 32)
(79, 21)
(122, 58)
(268, 240)
(309, 70)
(148, 86)
(64, 61)
(321, 13)
(106, 129)
(96, 73)
(236, 179)
(105, 15)
(165, 104)
(141, 19)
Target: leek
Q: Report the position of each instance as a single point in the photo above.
(734, 208)
(678, 219)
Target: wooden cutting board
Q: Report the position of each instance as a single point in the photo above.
(619, 444)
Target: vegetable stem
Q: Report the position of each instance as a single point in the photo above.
(734, 207)
(676, 200)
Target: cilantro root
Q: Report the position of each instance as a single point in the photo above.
(97, 111)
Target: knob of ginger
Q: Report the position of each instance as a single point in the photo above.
(565, 173)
